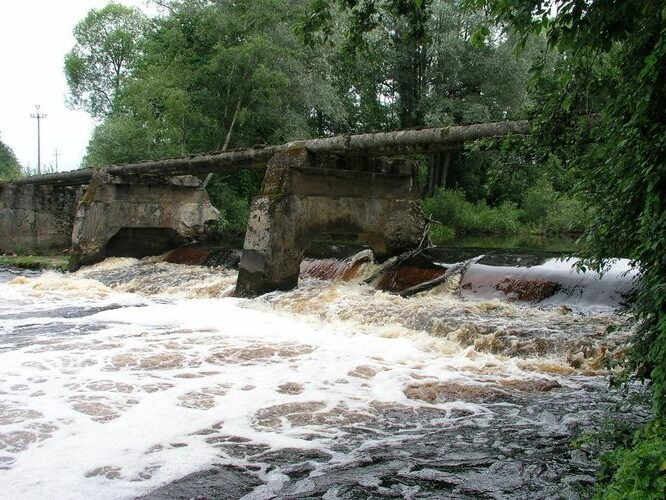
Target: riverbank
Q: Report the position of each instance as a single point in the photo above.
(36, 262)
(542, 212)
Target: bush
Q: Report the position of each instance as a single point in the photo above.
(461, 216)
(234, 209)
(638, 470)
(539, 201)
(567, 216)
(544, 210)
(440, 234)
(445, 206)
(503, 219)
(548, 211)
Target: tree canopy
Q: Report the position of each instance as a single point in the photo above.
(9, 165)
(210, 74)
(106, 50)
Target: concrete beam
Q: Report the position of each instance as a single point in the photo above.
(375, 144)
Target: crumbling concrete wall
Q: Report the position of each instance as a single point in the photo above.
(301, 199)
(133, 210)
(37, 218)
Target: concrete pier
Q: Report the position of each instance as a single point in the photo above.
(301, 199)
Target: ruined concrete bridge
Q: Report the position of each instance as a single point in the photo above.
(343, 184)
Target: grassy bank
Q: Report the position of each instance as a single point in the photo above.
(542, 211)
(55, 262)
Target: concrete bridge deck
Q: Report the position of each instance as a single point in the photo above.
(395, 143)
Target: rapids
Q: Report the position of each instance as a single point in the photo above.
(144, 378)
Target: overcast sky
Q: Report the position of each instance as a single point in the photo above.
(35, 35)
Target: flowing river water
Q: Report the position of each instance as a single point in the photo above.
(145, 378)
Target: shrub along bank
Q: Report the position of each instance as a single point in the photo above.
(541, 211)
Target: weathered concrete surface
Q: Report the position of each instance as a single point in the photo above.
(373, 144)
(301, 199)
(37, 218)
(137, 217)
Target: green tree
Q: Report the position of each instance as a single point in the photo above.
(119, 139)
(418, 62)
(213, 75)
(106, 50)
(223, 74)
(9, 165)
(606, 107)
(401, 64)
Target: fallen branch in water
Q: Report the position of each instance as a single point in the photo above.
(396, 261)
(458, 268)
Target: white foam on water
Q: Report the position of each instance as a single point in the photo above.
(55, 286)
(165, 385)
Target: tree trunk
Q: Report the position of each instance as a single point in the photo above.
(209, 176)
(444, 173)
(231, 127)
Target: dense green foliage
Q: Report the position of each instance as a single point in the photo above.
(542, 210)
(451, 209)
(213, 75)
(403, 65)
(605, 103)
(9, 165)
(637, 468)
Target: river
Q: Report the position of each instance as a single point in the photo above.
(144, 378)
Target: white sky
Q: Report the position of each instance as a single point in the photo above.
(35, 35)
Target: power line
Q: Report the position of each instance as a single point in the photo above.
(39, 140)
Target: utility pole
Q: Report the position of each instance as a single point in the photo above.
(56, 154)
(39, 140)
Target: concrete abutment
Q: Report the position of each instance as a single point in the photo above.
(109, 216)
(138, 217)
(37, 218)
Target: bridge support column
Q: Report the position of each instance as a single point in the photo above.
(302, 198)
(37, 218)
(135, 217)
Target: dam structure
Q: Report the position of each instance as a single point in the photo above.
(354, 184)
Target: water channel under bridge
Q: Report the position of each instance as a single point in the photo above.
(343, 184)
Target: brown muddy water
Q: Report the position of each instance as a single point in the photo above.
(146, 379)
